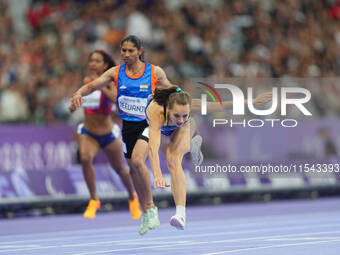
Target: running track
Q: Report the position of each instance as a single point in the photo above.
(306, 227)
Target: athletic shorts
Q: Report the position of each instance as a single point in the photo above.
(103, 140)
(131, 132)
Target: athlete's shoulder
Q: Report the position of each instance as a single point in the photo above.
(154, 108)
(159, 72)
(155, 114)
(156, 68)
(116, 68)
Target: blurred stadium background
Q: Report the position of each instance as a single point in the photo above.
(44, 46)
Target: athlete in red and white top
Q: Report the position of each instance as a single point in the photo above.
(99, 132)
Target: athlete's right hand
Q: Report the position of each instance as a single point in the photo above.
(76, 101)
(159, 182)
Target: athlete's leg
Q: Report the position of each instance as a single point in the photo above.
(138, 182)
(178, 146)
(141, 177)
(193, 128)
(115, 156)
(140, 173)
(88, 148)
(196, 143)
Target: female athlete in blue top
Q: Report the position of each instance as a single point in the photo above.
(99, 132)
(134, 80)
(168, 114)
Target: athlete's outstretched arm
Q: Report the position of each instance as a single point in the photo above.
(110, 92)
(156, 120)
(215, 107)
(88, 88)
(161, 77)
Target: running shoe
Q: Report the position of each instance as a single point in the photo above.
(196, 153)
(178, 221)
(153, 217)
(144, 226)
(134, 207)
(91, 209)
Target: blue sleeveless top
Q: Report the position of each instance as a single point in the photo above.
(165, 129)
(133, 92)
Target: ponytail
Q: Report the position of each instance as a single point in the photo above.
(170, 96)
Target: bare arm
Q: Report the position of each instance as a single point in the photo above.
(110, 92)
(88, 88)
(161, 77)
(156, 120)
(215, 107)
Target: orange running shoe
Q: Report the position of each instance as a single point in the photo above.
(135, 208)
(91, 209)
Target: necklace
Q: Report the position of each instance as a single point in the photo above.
(131, 72)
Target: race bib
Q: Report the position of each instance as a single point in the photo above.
(132, 106)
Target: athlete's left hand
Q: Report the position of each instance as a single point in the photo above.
(263, 98)
(160, 182)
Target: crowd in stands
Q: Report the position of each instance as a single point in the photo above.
(187, 38)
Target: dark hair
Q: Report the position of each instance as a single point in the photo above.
(136, 42)
(170, 96)
(106, 57)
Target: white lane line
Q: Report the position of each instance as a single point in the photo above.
(271, 246)
(216, 225)
(18, 246)
(184, 236)
(186, 243)
(242, 220)
(317, 238)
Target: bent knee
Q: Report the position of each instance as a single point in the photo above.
(137, 161)
(86, 159)
(174, 160)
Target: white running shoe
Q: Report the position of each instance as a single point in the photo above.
(178, 221)
(196, 153)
